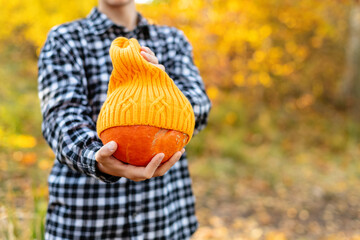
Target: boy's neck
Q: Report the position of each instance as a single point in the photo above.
(123, 15)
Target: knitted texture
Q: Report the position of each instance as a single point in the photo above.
(140, 93)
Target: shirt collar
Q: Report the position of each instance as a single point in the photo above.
(99, 23)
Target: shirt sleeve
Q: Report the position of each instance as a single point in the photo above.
(67, 124)
(182, 70)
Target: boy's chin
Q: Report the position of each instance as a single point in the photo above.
(117, 3)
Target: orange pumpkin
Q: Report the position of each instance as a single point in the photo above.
(145, 113)
(137, 145)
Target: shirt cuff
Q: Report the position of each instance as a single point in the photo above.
(89, 158)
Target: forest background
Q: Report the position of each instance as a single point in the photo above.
(279, 158)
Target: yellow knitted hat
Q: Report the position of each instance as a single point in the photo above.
(140, 93)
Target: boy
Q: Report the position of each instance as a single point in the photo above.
(91, 194)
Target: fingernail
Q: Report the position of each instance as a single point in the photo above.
(162, 156)
(111, 146)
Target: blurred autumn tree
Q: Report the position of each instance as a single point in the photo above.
(285, 48)
(27, 22)
(350, 86)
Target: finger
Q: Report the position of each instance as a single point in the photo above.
(159, 66)
(153, 165)
(148, 50)
(167, 165)
(106, 151)
(111, 165)
(150, 58)
(136, 173)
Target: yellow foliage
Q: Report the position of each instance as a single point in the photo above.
(239, 79)
(212, 92)
(2, 134)
(264, 79)
(256, 39)
(231, 39)
(259, 56)
(34, 18)
(22, 141)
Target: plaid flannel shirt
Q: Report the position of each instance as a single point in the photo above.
(84, 203)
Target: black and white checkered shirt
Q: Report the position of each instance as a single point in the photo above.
(74, 70)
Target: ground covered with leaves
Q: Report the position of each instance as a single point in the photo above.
(252, 210)
(285, 174)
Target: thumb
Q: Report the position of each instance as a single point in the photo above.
(107, 150)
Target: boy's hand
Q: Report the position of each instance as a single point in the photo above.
(150, 57)
(108, 164)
